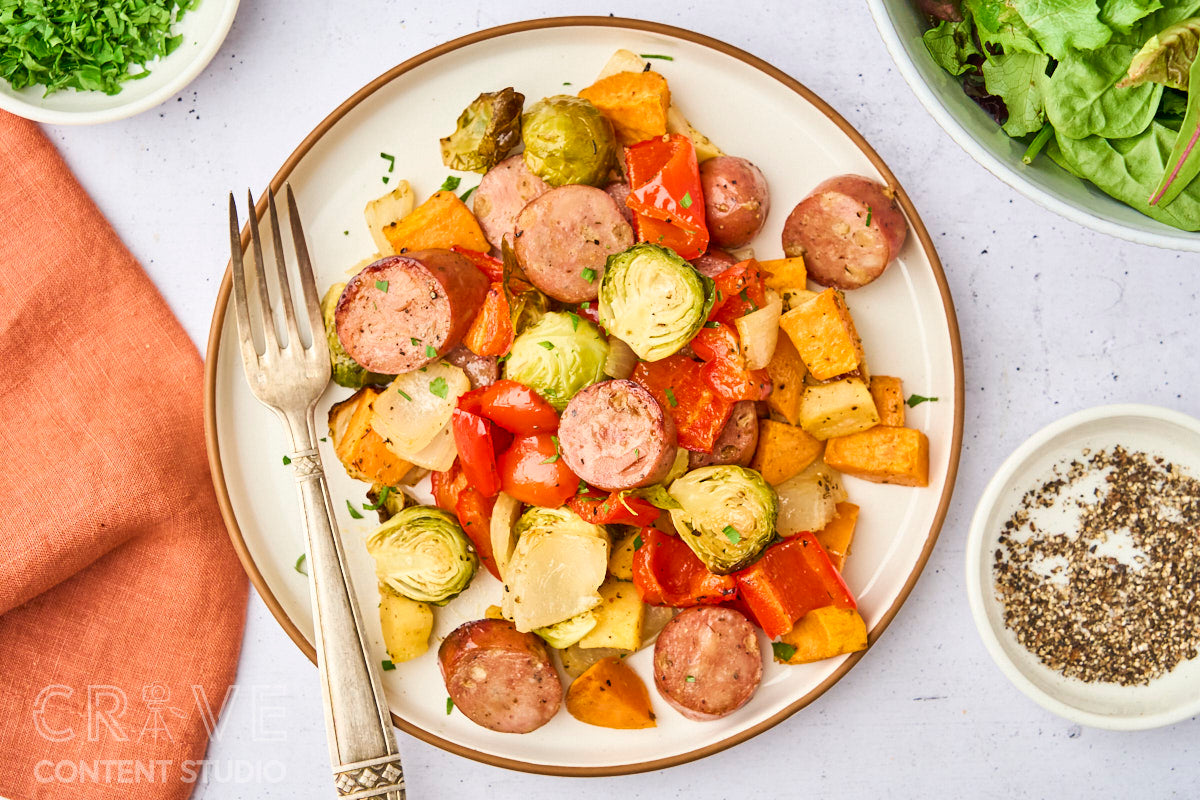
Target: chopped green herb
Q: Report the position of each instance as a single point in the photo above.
(582, 486)
(585, 305)
(438, 387)
(588, 274)
(390, 159)
(388, 666)
(449, 705)
(286, 461)
(731, 534)
(383, 494)
(299, 565)
(547, 345)
(415, 341)
(353, 511)
(386, 179)
(655, 55)
(915, 400)
(691, 679)
(574, 320)
(746, 299)
(637, 542)
(637, 452)
(557, 452)
(686, 202)
(430, 352)
(405, 395)
(345, 233)
(783, 650)
(712, 324)
(381, 286)
(324, 439)
(671, 398)
(566, 83)
(450, 184)
(467, 193)
(869, 212)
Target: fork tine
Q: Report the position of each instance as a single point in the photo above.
(260, 274)
(285, 289)
(312, 302)
(240, 303)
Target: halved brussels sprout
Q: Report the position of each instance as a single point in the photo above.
(423, 554)
(487, 129)
(558, 355)
(345, 370)
(562, 635)
(568, 140)
(728, 515)
(653, 300)
(557, 520)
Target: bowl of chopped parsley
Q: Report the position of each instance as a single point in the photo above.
(78, 62)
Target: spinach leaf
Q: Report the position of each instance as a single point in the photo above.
(1020, 79)
(1063, 25)
(998, 24)
(1082, 99)
(951, 44)
(1121, 15)
(1129, 169)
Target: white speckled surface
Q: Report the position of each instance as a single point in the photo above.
(1054, 318)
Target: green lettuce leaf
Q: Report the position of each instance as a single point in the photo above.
(1122, 15)
(1063, 25)
(951, 44)
(1020, 80)
(999, 25)
(1082, 98)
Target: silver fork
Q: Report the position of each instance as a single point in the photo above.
(288, 377)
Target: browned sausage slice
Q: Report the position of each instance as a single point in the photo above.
(736, 200)
(848, 230)
(615, 435)
(565, 236)
(736, 442)
(714, 262)
(707, 662)
(499, 677)
(403, 312)
(504, 191)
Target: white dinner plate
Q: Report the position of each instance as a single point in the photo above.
(906, 320)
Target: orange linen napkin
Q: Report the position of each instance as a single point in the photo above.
(121, 600)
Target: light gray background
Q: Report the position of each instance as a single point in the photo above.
(1054, 318)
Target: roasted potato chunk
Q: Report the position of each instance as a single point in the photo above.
(882, 455)
(839, 408)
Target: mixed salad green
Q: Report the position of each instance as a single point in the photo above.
(1108, 89)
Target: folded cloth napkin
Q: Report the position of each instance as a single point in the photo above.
(121, 600)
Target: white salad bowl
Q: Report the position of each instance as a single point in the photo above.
(901, 25)
(203, 29)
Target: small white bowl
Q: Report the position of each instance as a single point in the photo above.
(203, 28)
(900, 25)
(1165, 700)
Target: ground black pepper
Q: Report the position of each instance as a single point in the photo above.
(1118, 599)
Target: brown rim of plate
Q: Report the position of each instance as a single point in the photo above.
(277, 182)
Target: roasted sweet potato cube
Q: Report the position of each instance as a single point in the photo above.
(888, 394)
(838, 408)
(782, 274)
(610, 694)
(360, 449)
(787, 380)
(783, 451)
(838, 533)
(824, 335)
(442, 221)
(635, 103)
(825, 633)
(882, 455)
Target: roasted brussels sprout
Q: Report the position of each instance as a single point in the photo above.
(386, 501)
(556, 520)
(487, 129)
(562, 635)
(727, 516)
(557, 356)
(345, 370)
(423, 554)
(653, 300)
(568, 140)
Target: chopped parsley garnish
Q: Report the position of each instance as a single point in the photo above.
(449, 705)
(415, 341)
(390, 159)
(637, 542)
(686, 202)
(286, 461)
(574, 320)
(557, 452)
(324, 439)
(450, 184)
(690, 678)
(588, 274)
(388, 666)
(467, 193)
(915, 400)
(582, 486)
(731, 534)
(671, 398)
(547, 345)
(566, 83)
(712, 324)
(585, 305)
(386, 178)
(405, 395)
(655, 55)
(783, 650)
(345, 233)
(383, 494)
(869, 212)
(381, 286)
(430, 352)
(353, 511)
(299, 565)
(746, 299)
(438, 387)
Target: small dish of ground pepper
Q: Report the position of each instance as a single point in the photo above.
(1083, 567)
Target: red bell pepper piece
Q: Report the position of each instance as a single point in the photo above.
(739, 291)
(726, 371)
(677, 382)
(665, 194)
(487, 264)
(667, 573)
(474, 512)
(447, 486)
(610, 509)
(789, 580)
(534, 472)
(491, 333)
(476, 445)
(513, 406)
